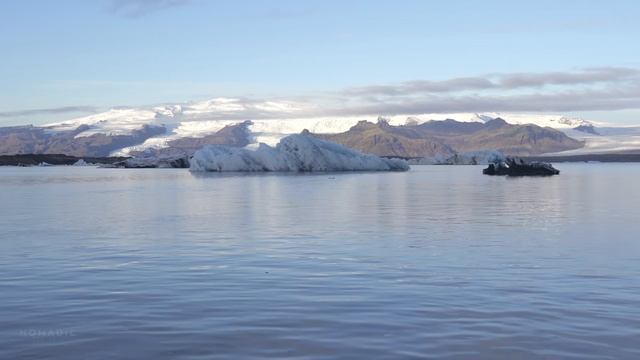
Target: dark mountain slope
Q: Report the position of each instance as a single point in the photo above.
(38, 140)
(444, 138)
(384, 139)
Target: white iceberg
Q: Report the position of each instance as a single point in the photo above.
(300, 153)
(82, 162)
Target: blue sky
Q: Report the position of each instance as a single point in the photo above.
(70, 57)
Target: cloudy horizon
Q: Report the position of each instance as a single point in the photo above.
(347, 59)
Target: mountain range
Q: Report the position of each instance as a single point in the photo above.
(182, 129)
(40, 140)
(448, 137)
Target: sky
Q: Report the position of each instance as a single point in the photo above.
(62, 59)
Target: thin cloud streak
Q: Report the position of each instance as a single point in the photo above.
(140, 8)
(513, 81)
(424, 86)
(587, 76)
(590, 100)
(50, 111)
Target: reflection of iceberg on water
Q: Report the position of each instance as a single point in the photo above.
(300, 152)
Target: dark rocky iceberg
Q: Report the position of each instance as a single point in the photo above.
(518, 167)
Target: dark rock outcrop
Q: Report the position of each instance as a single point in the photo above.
(386, 140)
(589, 129)
(176, 162)
(518, 167)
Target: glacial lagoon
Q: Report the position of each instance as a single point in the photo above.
(436, 262)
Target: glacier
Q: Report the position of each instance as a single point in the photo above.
(297, 153)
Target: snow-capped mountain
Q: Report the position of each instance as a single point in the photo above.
(112, 122)
(272, 120)
(203, 118)
(543, 120)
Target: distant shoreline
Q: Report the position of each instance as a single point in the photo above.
(61, 159)
(567, 158)
(586, 158)
(53, 159)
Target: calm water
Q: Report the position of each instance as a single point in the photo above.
(438, 262)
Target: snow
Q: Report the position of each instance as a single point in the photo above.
(230, 108)
(297, 152)
(545, 120)
(112, 122)
(151, 143)
(169, 111)
(610, 140)
(482, 117)
(216, 105)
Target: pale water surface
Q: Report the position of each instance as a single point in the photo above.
(438, 262)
